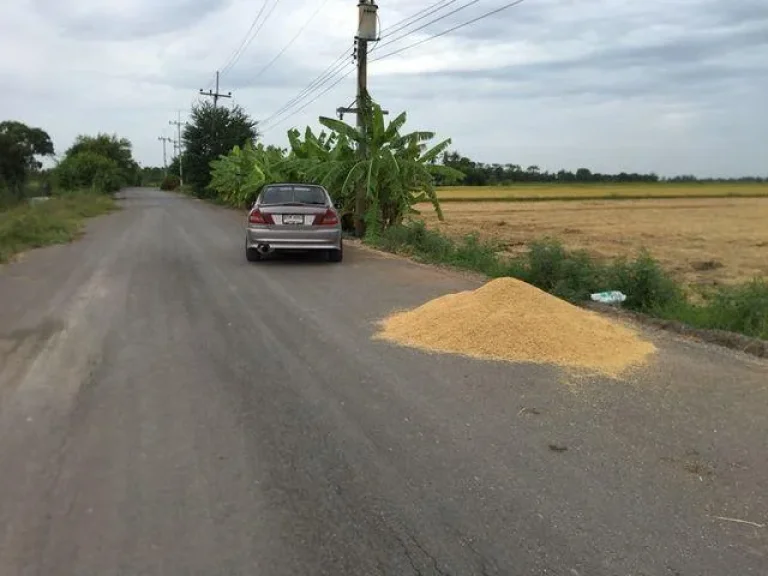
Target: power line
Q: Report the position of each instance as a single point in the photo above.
(247, 43)
(290, 43)
(228, 65)
(328, 89)
(443, 17)
(323, 78)
(444, 32)
(420, 15)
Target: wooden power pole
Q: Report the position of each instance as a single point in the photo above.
(215, 95)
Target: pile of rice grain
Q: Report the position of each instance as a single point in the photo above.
(507, 319)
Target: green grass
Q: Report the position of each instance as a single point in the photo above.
(55, 221)
(531, 192)
(574, 275)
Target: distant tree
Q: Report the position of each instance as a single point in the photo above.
(584, 175)
(152, 175)
(119, 150)
(212, 132)
(20, 146)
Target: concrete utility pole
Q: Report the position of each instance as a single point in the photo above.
(178, 123)
(366, 32)
(165, 139)
(215, 95)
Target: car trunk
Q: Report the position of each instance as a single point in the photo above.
(293, 215)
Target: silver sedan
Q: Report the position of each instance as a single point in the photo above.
(293, 217)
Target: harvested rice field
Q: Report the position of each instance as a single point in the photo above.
(507, 319)
(701, 241)
(598, 191)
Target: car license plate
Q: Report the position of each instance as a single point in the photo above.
(293, 219)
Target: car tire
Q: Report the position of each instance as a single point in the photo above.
(252, 255)
(336, 255)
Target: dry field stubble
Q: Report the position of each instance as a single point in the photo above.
(701, 241)
(596, 191)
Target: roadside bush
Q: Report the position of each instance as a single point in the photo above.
(170, 183)
(570, 275)
(742, 308)
(89, 170)
(647, 286)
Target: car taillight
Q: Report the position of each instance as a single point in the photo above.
(327, 219)
(257, 217)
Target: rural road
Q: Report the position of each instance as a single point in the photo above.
(168, 409)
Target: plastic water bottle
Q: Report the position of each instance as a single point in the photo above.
(612, 297)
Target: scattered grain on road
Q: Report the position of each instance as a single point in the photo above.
(510, 320)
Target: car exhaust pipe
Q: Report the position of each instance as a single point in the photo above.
(263, 248)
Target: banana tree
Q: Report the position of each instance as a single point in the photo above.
(395, 171)
(237, 177)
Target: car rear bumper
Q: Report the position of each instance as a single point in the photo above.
(305, 239)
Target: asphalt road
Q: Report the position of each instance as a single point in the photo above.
(168, 409)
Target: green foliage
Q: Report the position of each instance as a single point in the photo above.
(574, 275)
(118, 150)
(647, 286)
(20, 145)
(395, 170)
(53, 222)
(170, 183)
(237, 177)
(100, 163)
(89, 169)
(742, 308)
(212, 132)
(152, 175)
(567, 274)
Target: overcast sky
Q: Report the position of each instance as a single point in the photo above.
(672, 86)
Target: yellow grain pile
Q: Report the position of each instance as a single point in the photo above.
(508, 319)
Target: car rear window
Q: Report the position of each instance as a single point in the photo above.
(293, 195)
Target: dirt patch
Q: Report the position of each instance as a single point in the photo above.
(507, 319)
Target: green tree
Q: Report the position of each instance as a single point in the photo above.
(88, 169)
(212, 132)
(20, 145)
(109, 146)
(237, 177)
(396, 171)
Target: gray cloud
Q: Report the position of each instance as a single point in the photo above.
(126, 20)
(667, 85)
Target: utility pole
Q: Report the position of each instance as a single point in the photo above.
(178, 123)
(215, 95)
(165, 139)
(366, 31)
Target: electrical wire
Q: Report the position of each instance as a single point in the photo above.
(292, 40)
(448, 31)
(245, 38)
(323, 78)
(429, 10)
(247, 43)
(277, 123)
(416, 14)
(443, 17)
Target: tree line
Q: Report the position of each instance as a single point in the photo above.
(482, 174)
(102, 163)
